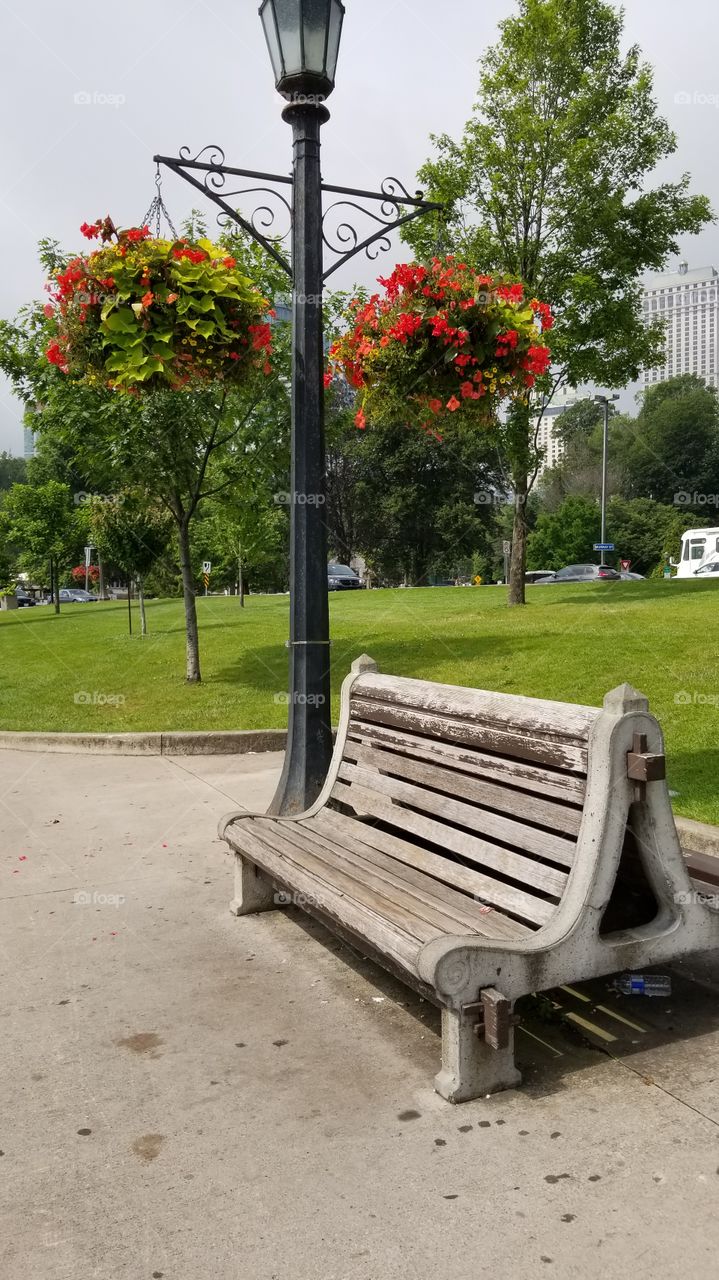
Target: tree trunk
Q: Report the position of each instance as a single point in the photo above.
(519, 543)
(101, 577)
(141, 600)
(240, 578)
(55, 579)
(192, 639)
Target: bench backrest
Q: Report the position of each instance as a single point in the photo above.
(492, 782)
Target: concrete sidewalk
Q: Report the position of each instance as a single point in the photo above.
(186, 1095)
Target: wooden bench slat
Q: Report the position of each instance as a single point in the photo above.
(511, 773)
(496, 893)
(539, 717)
(348, 879)
(528, 840)
(489, 794)
(465, 912)
(519, 745)
(323, 897)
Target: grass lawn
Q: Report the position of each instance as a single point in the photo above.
(570, 643)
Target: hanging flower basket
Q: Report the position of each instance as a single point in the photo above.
(442, 343)
(141, 313)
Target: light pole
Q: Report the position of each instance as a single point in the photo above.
(303, 37)
(606, 401)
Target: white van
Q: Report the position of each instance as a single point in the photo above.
(699, 547)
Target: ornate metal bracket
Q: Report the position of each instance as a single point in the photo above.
(394, 207)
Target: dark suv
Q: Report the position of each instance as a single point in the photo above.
(582, 573)
(341, 578)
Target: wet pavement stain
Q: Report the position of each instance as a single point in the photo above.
(279, 1044)
(465, 1128)
(84, 1133)
(141, 1042)
(556, 1177)
(408, 1115)
(148, 1146)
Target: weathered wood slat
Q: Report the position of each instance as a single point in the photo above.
(536, 716)
(510, 773)
(386, 877)
(487, 794)
(421, 868)
(450, 910)
(543, 844)
(519, 745)
(322, 897)
(496, 893)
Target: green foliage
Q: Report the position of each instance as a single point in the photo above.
(12, 471)
(130, 533)
(672, 447)
(41, 524)
(565, 536)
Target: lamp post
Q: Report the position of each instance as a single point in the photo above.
(303, 37)
(606, 401)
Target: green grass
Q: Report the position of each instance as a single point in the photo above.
(570, 643)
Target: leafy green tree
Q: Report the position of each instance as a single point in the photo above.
(550, 182)
(41, 523)
(646, 532)
(12, 471)
(671, 451)
(565, 536)
(131, 534)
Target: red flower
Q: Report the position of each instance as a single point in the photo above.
(328, 380)
(56, 356)
(49, 310)
(229, 263)
(453, 404)
(468, 391)
(360, 420)
(148, 299)
(91, 232)
(436, 406)
(137, 233)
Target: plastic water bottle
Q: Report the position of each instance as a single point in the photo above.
(643, 984)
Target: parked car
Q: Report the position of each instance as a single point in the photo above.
(24, 600)
(582, 573)
(626, 576)
(537, 575)
(707, 569)
(341, 578)
(76, 595)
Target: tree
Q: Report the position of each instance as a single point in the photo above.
(41, 523)
(12, 471)
(671, 452)
(131, 534)
(550, 183)
(565, 536)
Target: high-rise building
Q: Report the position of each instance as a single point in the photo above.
(688, 302)
(28, 441)
(548, 441)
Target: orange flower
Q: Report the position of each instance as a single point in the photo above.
(172, 297)
(453, 404)
(148, 299)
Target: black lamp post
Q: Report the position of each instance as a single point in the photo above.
(303, 37)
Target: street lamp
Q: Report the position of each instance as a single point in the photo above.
(303, 38)
(604, 400)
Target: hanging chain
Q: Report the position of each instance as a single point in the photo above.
(158, 210)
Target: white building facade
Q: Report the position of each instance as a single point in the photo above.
(548, 441)
(688, 303)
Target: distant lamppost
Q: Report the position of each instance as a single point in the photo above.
(606, 401)
(303, 37)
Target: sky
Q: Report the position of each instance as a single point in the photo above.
(90, 92)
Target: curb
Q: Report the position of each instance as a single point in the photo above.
(216, 743)
(698, 837)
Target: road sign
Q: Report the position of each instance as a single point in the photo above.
(626, 565)
(604, 546)
(206, 566)
(507, 548)
(88, 556)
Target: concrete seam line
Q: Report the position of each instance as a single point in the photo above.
(230, 742)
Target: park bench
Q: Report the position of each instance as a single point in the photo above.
(483, 847)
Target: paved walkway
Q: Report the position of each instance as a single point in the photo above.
(189, 1096)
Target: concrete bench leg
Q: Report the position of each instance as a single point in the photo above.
(253, 891)
(470, 1067)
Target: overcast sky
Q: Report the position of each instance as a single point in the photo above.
(90, 91)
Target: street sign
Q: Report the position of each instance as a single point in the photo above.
(626, 565)
(507, 548)
(206, 566)
(604, 546)
(88, 556)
